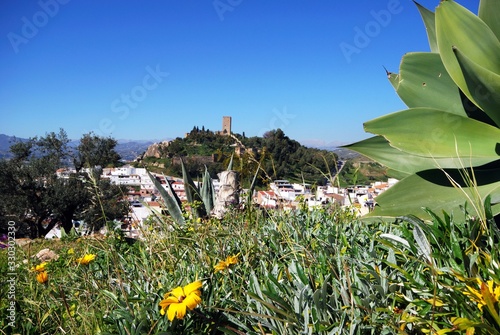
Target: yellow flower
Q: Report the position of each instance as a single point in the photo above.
(85, 260)
(222, 265)
(232, 260)
(42, 277)
(478, 295)
(179, 299)
(40, 267)
(71, 251)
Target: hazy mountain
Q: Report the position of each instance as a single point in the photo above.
(130, 149)
(5, 142)
(127, 149)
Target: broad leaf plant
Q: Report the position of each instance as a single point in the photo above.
(445, 147)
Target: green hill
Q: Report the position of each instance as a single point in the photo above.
(279, 157)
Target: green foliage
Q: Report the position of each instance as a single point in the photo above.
(445, 146)
(170, 199)
(36, 198)
(279, 157)
(94, 151)
(303, 272)
(201, 198)
(357, 172)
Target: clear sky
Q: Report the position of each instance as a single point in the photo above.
(151, 70)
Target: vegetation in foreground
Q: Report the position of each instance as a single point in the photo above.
(446, 142)
(254, 272)
(302, 272)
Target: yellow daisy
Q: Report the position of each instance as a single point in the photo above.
(40, 267)
(85, 260)
(478, 295)
(177, 301)
(222, 265)
(42, 277)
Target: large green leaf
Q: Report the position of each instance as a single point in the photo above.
(230, 165)
(424, 82)
(430, 26)
(170, 199)
(192, 193)
(432, 189)
(252, 186)
(484, 85)
(433, 133)
(457, 27)
(404, 164)
(207, 192)
(489, 12)
(393, 79)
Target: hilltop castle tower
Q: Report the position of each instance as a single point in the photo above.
(226, 125)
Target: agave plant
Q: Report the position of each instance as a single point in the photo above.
(201, 198)
(445, 147)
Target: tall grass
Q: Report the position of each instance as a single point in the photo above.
(302, 272)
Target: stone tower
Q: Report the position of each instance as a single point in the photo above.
(226, 125)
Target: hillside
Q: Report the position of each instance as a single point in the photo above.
(360, 170)
(279, 157)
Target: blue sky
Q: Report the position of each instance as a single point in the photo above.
(151, 70)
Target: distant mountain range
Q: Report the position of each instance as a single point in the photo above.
(131, 149)
(127, 149)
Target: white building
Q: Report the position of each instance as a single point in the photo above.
(283, 189)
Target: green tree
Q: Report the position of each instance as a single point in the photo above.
(34, 196)
(94, 151)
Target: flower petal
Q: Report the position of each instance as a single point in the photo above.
(192, 300)
(172, 311)
(232, 260)
(189, 288)
(177, 292)
(42, 277)
(168, 301)
(222, 265)
(181, 311)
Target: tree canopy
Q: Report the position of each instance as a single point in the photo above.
(37, 197)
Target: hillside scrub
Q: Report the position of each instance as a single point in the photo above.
(279, 157)
(258, 272)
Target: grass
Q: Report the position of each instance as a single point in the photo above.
(318, 272)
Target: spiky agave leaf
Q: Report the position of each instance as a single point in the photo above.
(429, 19)
(192, 193)
(230, 165)
(207, 192)
(458, 28)
(170, 199)
(445, 149)
(426, 86)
